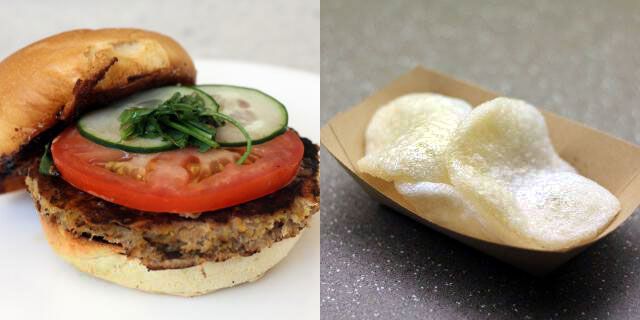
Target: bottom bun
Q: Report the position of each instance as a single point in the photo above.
(107, 262)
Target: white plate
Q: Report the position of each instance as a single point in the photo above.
(36, 284)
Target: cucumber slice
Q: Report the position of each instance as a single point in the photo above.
(261, 115)
(103, 126)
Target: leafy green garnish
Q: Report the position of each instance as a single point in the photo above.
(183, 120)
(46, 163)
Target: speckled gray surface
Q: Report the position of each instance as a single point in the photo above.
(282, 32)
(580, 61)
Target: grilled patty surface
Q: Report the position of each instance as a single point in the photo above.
(169, 241)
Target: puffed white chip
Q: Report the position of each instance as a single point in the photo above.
(442, 204)
(406, 139)
(502, 162)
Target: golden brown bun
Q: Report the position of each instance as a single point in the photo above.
(54, 79)
(105, 261)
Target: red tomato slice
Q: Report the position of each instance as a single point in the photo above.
(178, 181)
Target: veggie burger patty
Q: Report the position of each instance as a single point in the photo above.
(169, 241)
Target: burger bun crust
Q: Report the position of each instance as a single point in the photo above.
(57, 78)
(106, 261)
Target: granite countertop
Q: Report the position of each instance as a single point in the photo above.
(579, 61)
(207, 29)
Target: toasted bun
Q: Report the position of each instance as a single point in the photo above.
(105, 261)
(56, 78)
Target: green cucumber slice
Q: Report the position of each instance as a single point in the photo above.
(103, 126)
(262, 116)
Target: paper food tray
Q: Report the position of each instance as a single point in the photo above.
(613, 163)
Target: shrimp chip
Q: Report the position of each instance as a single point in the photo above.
(502, 162)
(442, 204)
(406, 139)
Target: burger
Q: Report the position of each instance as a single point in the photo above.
(143, 178)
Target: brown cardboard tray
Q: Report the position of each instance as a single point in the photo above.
(613, 163)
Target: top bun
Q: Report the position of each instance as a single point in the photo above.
(55, 79)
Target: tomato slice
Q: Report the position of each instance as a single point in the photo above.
(179, 181)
